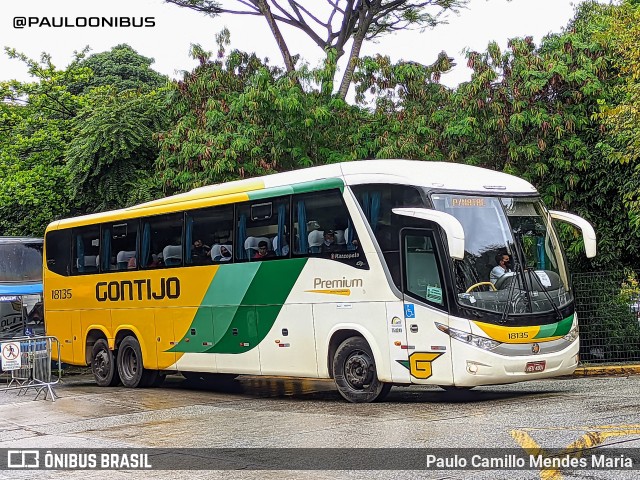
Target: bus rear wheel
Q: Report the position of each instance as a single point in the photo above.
(130, 366)
(355, 374)
(103, 364)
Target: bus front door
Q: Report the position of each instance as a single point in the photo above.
(429, 348)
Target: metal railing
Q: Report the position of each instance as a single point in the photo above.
(608, 308)
(27, 364)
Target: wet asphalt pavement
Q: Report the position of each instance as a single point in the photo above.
(266, 412)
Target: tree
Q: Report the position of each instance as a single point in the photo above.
(621, 115)
(334, 23)
(411, 106)
(35, 131)
(237, 117)
(532, 111)
(111, 158)
(69, 148)
(121, 68)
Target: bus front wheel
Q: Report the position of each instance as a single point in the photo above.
(355, 374)
(103, 364)
(130, 366)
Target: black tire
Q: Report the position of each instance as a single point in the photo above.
(355, 374)
(130, 366)
(103, 364)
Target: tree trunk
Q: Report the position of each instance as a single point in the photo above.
(282, 45)
(351, 66)
(366, 17)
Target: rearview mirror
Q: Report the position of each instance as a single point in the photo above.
(450, 224)
(588, 233)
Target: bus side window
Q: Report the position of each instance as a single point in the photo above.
(86, 249)
(119, 246)
(162, 235)
(322, 224)
(262, 231)
(58, 243)
(207, 232)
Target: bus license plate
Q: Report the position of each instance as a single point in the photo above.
(533, 367)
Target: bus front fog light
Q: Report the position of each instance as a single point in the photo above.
(472, 368)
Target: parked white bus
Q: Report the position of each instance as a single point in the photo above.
(373, 273)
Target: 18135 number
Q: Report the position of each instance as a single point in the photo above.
(61, 294)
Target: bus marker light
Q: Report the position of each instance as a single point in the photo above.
(397, 343)
(438, 347)
(244, 344)
(408, 347)
(283, 344)
(186, 340)
(277, 341)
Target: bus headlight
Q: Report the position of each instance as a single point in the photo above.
(469, 338)
(572, 335)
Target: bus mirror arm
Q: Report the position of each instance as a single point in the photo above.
(588, 233)
(450, 224)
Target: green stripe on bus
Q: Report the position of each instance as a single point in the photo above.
(556, 329)
(305, 187)
(240, 306)
(225, 293)
(260, 306)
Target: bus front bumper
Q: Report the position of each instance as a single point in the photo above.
(474, 367)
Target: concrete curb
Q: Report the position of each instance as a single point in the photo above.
(607, 370)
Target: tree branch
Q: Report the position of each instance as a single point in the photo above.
(275, 30)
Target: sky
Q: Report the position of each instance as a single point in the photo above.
(175, 29)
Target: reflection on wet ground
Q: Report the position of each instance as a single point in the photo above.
(263, 387)
(322, 389)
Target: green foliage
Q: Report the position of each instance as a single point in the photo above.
(236, 117)
(121, 68)
(530, 111)
(68, 150)
(110, 160)
(621, 114)
(36, 127)
(105, 133)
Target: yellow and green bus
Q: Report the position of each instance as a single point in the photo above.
(373, 273)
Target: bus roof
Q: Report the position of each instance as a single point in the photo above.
(443, 176)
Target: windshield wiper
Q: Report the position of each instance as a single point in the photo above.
(505, 312)
(531, 272)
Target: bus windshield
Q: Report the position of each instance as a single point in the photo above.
(20, 262)
(534, 279)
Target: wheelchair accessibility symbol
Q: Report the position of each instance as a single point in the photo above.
(409, 310)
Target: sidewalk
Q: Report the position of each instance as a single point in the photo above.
(607, 370)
